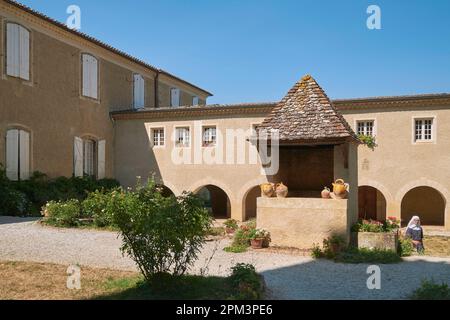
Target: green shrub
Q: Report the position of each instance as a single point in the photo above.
(429, 290)
(405, 247)
(231, 224)
(246, 282)
(63, 213)
(316, 252)
(161, 234)
(95, 206)
(216, 231)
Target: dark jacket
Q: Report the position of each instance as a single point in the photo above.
(416, 235)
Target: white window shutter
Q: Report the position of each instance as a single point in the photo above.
(175, 97)
(139, 91)
(86, 76)
(195, 101)
(101, 161)
(78, 157)
(24, 57)
(12, 154)
(24, 155)
(93, 77)
(12, 49)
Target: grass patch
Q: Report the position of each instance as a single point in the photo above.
(236, 248)
(437, 246)
(45, 281)
(355, 255)
(429, 290)
(216, 231)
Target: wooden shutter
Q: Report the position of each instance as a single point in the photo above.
(12, 154)
(195, 101)
(78, 157)
(24, 155)
(101, 161)
(24, 57)
(86, 78)
(139, 91)
(175, 97)
(93, 77)
(12, 49)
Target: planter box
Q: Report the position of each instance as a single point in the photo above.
(376, 240)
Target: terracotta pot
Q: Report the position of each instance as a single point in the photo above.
(229, 230)
(267, 190)
(340, 187)
(257, 243)
(326, 193)
(281, 190)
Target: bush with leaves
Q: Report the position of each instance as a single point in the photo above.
(163, 235)
(405, 247)
(430, 290)
(95, 206)
(62, 213)
(246, 282)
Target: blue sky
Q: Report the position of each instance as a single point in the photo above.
(254, 50)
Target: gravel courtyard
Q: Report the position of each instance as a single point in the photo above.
(286, 276)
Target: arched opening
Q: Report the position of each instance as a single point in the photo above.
(216, 201)
(425, 202)
(371, 203)
(250, 199)
(165, 191)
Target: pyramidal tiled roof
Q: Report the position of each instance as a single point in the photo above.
(307, 114)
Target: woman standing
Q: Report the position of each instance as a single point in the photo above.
(415, 232)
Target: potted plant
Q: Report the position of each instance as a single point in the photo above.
(259, 238)
(230, 226)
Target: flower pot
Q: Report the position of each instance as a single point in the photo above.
(229, 230)
(257, 243)
(281, 190)
(326, 193)
(267, 190)
(340, 187)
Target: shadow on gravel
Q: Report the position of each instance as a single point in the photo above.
(13, 220)
(324, 279)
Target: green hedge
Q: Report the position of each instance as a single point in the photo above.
(26, 198)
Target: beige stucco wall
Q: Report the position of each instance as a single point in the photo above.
(397, 164)
(135, 156)
(302, 222)
(50, 105)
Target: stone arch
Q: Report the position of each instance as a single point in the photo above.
(372, 203)
(434, 212)
(377, 185)
(216, 200)
(250, 192)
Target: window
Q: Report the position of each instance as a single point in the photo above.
(138, 91)
(17, 154)
(182, 138)
(423, 130)
(90, 76)
(89, 157)
(365, 128)
(195, 101)
(17, 51)
(174, 97)
(158, 137)
(209, 136)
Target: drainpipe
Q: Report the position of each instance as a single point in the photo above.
(156, 89)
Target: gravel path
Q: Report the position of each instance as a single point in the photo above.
(287, 276)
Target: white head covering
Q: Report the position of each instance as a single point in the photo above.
(412, 224)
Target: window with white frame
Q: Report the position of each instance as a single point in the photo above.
(423, 130)
(17, 154)
(182, 137)
(365, 128)
(90, 76)
(174, 97)
(158, 137)
(209, 136)
(89, 157)
(17, 51)
(195, 101)
(138, 91)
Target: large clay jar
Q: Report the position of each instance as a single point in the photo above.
(281, 190)
(326, 193)
(340, 187)
(267, 190)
